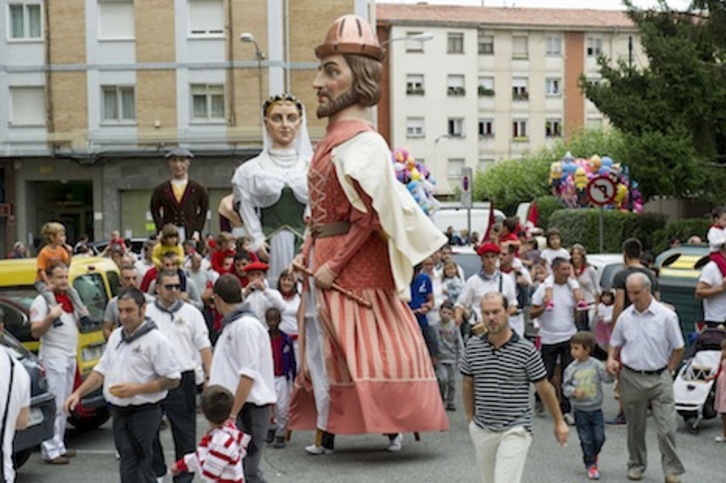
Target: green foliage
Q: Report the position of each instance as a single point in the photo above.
(582, 226)
(546, 206)
(683, 229)
(510, 182)
(671, 112)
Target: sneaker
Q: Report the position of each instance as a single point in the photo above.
(618, 420)
(549, 306)
(70, 453)
(58, 460)
(635, 474)
(593, 473)
(270, 435)
(316, 450)
(672, 478)
(720, 439)
(396, 444)
(583, 306)
(279, 442)
(569, 419)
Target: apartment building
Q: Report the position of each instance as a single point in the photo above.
(98, 90)
(492, 83)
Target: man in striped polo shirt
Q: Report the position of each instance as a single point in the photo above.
(498, 368)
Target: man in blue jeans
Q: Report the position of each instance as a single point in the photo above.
(582, 384)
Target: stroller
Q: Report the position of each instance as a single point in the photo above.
(694, 394)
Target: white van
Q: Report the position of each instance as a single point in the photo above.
(457, 217)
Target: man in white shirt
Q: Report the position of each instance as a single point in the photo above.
(184, 326)
(557, 326)
(489, 279)
(57, 329)
(136, 370)
(711, 289)
(14, 407)
(243, 364)
(646, 347)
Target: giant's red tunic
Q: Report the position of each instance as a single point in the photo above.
(381, 376)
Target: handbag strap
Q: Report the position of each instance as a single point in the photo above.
(5, 420)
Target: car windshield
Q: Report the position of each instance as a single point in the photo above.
(14, 347)
(93, 293)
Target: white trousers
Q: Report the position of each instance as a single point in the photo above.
(500, 456)
(283, 388)
(60, 372)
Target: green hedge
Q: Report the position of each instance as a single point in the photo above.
(683, 229)
(546, 206)
(582, 226)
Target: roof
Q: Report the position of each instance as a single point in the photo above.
(547, 18)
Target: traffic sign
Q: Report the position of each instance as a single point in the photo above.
(601, 190)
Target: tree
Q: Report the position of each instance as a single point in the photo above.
(672, 112)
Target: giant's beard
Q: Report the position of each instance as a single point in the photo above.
(346, 99)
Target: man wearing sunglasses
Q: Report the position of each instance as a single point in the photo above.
(184, 326)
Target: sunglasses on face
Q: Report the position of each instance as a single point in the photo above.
(172, 286)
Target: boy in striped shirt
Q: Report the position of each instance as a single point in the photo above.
(218, 457)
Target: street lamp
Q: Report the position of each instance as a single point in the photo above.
(248, 38)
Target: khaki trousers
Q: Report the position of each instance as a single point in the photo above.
(500, 456)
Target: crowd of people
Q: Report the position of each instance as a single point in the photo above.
(342, 302)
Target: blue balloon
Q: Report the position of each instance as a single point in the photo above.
(604, 170)
(607, 161)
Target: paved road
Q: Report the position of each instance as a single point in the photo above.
(444, 457)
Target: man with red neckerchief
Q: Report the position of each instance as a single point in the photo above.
(57, 329)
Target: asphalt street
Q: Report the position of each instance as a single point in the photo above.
(444, 457)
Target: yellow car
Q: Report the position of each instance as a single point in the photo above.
(97, 280)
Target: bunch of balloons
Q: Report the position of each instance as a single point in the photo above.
(416, 178)
(569, 178)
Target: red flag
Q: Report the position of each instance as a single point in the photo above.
(533, 216)
(490, 223)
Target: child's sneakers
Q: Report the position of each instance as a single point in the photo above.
(593, 473)
(720, 439)
(549, 306)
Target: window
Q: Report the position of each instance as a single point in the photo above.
(553, 128)
(552, 86)
(454, 166)
(27, 106)
(520, 89)
(207, 102)
(519, 130)
(592, 81)
(119, 104)
(553, 46)
(456, 127)
(486, 128)
(485, 163)
(414, 127)
(206, 18)
(92, 291)
(455, 43)
(415, 84)
(486, 86)
(455, 85)
(414, 45)
(519, 47)
(116, 19)
(594, 46)
(486, 44)
(25, 21)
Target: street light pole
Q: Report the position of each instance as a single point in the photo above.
(260, 56)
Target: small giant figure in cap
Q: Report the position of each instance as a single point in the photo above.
(180, 201)
(367, 362)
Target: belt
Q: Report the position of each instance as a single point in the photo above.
(656, 372)
(131, 409)
(330, 229)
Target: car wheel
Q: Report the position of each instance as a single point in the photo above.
(21, 457)
(89, 423)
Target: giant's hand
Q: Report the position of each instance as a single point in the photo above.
(324, 277)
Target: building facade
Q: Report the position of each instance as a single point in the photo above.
(493, 83)
(98, 90)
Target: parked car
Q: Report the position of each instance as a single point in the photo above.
(97, 281)
(457, 218)
(607, 265)
(42, 402)
(467, 259)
